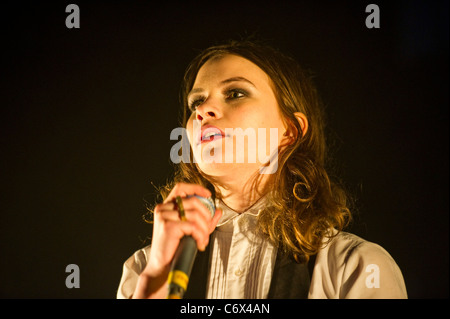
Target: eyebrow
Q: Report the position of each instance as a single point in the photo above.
(233, 79)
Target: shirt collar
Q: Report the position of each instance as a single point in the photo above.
(229, 214)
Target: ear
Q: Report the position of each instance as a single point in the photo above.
(291, 133)
(303, 121)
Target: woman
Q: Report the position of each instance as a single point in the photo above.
(276, 233)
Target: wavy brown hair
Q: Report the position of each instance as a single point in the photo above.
(304, 203)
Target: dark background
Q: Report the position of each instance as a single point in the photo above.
(86, 116)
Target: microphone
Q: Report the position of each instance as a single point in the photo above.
(183, 259)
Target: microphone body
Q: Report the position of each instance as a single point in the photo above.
(183, 259)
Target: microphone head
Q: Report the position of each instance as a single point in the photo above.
(208, 202)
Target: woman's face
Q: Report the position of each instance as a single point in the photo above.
(236, 123)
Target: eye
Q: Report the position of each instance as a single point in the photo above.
(236, 94)
(195, 103)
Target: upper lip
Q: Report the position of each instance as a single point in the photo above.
(207, 129)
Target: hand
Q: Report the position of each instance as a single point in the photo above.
(168, 229)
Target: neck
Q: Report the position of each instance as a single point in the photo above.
(241, 195)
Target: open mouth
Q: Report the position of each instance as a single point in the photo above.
(210, 133)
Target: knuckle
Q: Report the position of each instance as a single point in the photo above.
(158, 208)
(177, 186)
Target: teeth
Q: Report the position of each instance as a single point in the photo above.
(208, 135)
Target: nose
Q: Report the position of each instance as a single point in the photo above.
(207, 110)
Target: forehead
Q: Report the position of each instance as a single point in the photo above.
(221, 68)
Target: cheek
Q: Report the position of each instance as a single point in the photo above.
(275, 127)
(190, 126)
(270, 119)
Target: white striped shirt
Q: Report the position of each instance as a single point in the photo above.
(242, 261)
(242, 264)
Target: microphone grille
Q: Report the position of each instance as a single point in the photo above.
(208, 202)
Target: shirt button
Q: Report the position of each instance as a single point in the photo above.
(238, 272)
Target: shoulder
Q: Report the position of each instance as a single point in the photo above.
(346, 247)
(352, 267)
(132, 268)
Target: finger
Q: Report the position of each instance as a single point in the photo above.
(194, 211)
(213, 223)
(215, 220)
(164, 207)
(200, 235)
(192, 217)
(184, 189)
(191, 204)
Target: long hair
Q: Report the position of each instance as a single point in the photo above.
(303, 202)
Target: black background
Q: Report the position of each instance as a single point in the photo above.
(86, 116)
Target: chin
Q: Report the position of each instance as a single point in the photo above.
(217, 169)
(227, 171)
